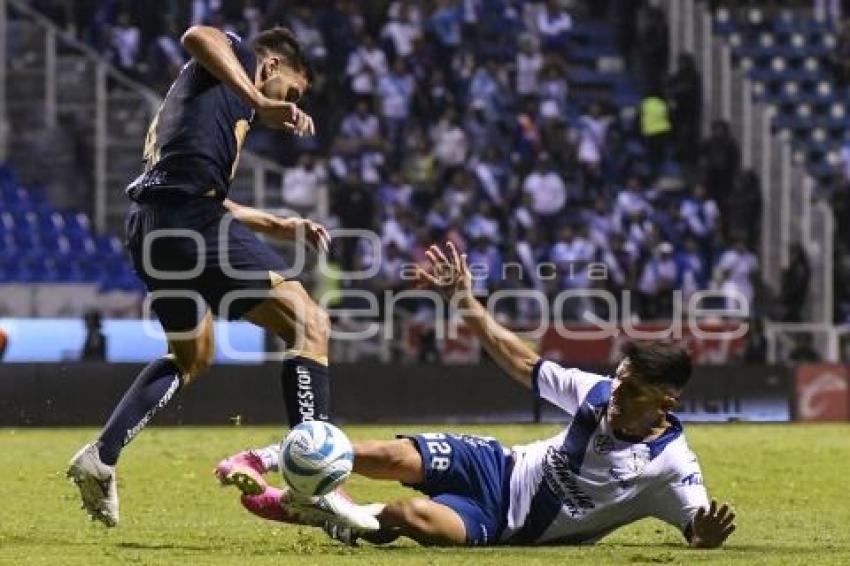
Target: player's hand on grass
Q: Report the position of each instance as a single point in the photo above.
(280, 115)
(449, 274)
(711, 527)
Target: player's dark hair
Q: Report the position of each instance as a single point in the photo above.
(659, 363)
(283, 43)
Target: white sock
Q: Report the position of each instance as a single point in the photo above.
(270, 456)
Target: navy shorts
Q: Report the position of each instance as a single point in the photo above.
(198, 257)
(471, 475)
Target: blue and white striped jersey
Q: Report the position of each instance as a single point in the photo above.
(583, 483)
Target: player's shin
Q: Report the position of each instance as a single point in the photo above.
(306, 388)
(152, 390)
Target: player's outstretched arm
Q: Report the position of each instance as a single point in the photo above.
(211, 48)
(281, 228)
(711, 527)
(452, 277)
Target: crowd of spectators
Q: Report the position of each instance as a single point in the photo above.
(456, 119)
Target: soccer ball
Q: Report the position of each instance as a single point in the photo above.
(316, 457)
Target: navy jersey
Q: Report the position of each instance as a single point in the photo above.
(193, 143)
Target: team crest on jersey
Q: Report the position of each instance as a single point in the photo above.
(603, 444)
(638, 461)
(628, 469)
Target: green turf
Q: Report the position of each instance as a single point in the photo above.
(788, 484)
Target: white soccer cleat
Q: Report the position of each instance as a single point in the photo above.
(96, 482)
(332, 508)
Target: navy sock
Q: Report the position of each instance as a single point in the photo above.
(306, 390)
(151, 391)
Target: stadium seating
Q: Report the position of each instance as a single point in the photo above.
(787, 58)
(43, 245)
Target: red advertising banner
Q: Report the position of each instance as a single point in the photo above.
(822, 392)
(710, 343)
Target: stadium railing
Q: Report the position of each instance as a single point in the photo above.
(826, 339)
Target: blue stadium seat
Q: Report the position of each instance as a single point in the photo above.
(802, 76)
(824, 171)
(724, 23)
(8, 178)
(41, 244)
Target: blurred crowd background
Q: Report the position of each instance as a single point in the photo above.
(480, 121)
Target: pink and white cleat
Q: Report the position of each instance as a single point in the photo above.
(270, 505)
(245, 471)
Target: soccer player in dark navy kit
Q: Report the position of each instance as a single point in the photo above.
(197, 253)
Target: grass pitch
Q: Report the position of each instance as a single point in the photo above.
(789, 484)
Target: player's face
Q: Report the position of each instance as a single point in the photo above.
(280, 82)
(636, 405)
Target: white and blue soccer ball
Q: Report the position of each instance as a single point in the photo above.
(316, 457)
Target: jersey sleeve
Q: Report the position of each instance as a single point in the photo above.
(564, 387)
(244, 53)
(681, 495)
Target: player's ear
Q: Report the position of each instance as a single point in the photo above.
(270, 68)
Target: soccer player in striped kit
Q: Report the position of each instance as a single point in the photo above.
(621, 457)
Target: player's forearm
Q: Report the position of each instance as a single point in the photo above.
(259, 221)
(507, 349)
(211, 48)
